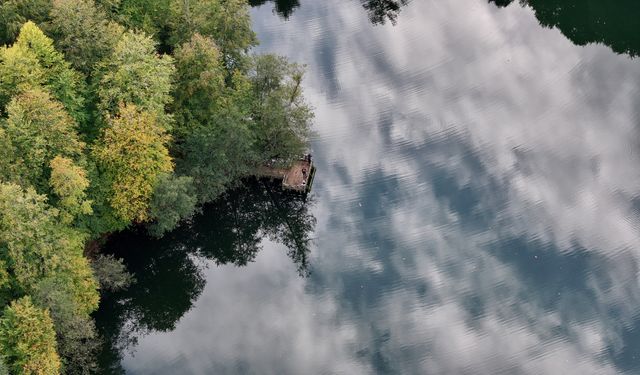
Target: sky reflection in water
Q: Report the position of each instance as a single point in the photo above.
(477, 203)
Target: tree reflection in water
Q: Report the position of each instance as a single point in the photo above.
(169, 271)
(590, 21)
(382, 10)
(284, 8)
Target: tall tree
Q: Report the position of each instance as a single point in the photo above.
(133, 154)
(136, 74)
(28, 340)
(148, 16)
(33, 61)
(38, 129)
(35, 246)
(200, 88)
(173, 200)
(83, 32)
(228, 22)
(14, 13)
(69, 183)
(282, 117)
(76, 334)
(212, 119)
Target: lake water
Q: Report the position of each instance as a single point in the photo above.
(476, 208)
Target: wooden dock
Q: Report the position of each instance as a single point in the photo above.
(298, 177)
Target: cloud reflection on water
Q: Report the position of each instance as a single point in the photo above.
(475, 205)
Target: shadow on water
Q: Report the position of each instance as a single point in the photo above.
(590, 21)
(380, 11)
(169, 271)
(284, 8)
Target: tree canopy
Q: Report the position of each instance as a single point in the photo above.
(28, 340)
(119, 113)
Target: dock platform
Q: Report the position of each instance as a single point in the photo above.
(298, 177)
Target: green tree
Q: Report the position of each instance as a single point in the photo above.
(149, 16)
(7, 153)
(35, 245)
(69, 184)
(200, 89)
(38, 129)
(136, 74)
(5, 285)
(282, 117)
(212, 119)
(3, 368)
(77, 339)
(111, 273)
(173, 200)
(228, 22)
(28, 339)
(83, 32)
(14, 13)
(216, 156)
(33, 61)
(133, 155)
(19, 70)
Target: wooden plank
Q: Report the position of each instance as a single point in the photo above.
(298, 176)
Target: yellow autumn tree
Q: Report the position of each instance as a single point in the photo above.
(37, 129)
(133, 154)
(69, 183)
(28, 339)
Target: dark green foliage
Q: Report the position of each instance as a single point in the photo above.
(213, 172)
(590, 21)
(211, 115)
(77, 338)
(14, 13)
(3, 368)
(83, 32)
(200, 87)
(111, 273)
(285, 8)
(174, 199)
(282, 117)
(149, 16)
(226, 21)
(135, 74)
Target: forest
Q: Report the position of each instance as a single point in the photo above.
(117, 114)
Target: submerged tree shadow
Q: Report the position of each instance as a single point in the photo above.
(284, 8)
(585, 22)
(169, 271)
(381, 11)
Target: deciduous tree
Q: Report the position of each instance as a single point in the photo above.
(227, 21)
(69, 183)
(282, 117)
(83, 32)
(38, 129)
(136, 74)
(35, 245)
(14, 13)
(133, 155)
(33, 61)
(28, 339)
(174, 199)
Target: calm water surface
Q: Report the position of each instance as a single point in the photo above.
(476, 208)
